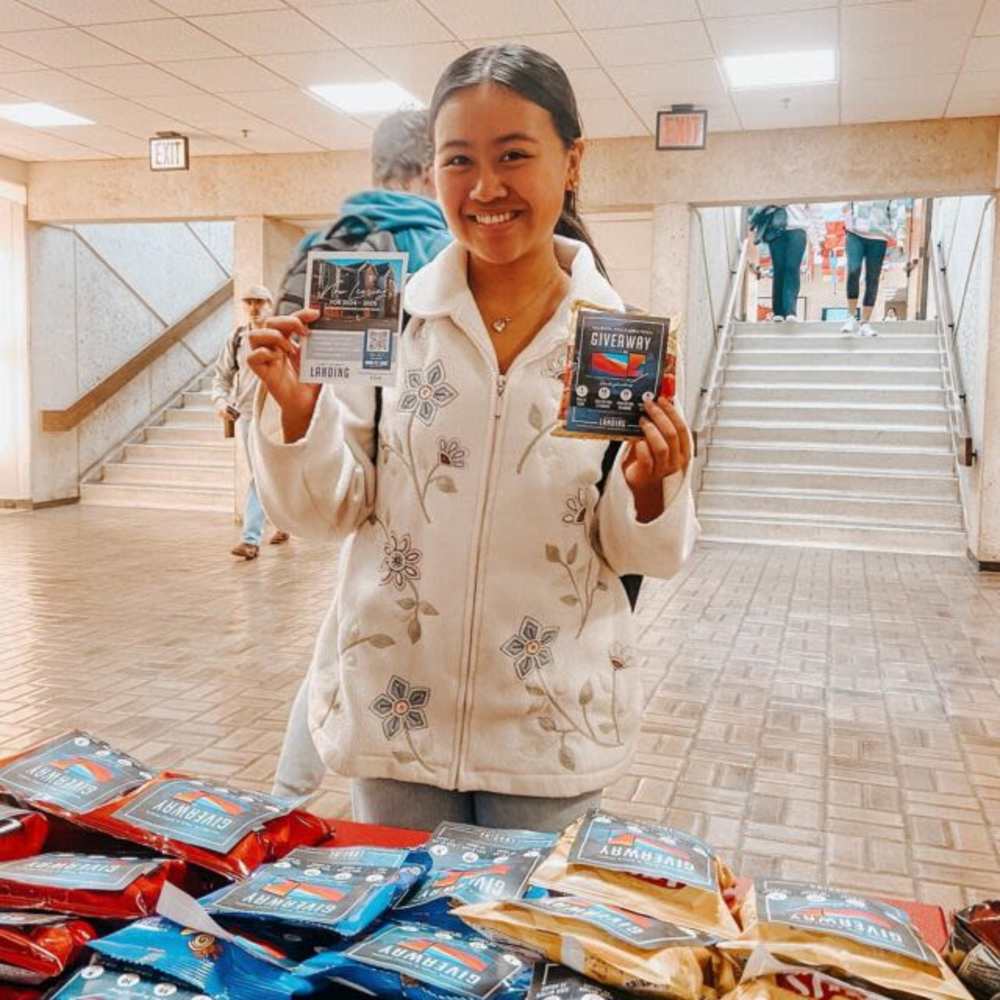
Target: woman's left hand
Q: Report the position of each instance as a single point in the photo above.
(664, 449)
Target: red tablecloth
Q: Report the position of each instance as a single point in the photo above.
(931, 920)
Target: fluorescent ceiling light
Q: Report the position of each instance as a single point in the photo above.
(40, 115)
(383, 97)
(781, 69)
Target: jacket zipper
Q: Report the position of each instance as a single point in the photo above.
(501, 385)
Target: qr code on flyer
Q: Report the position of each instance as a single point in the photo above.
(378, 341)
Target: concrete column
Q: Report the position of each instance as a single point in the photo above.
(986, 546)
(670, 267)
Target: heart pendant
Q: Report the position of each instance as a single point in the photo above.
(499, 325)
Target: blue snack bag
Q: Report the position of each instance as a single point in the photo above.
(222, 966)
(412, 961)
(102, 983)
(474, 864)
(339, 889)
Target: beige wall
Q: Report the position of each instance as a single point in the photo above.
(953, 156)
(13, 171)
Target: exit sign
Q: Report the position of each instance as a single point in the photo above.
(168, 152)
(682, 127)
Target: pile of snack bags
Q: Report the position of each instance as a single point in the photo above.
(120, 883)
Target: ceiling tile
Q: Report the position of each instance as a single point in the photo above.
(207, 145)
(203, 111)
(592, 84)
(308, 118)
(415, 67)
(658, 43)
(983, 55)
(342, 66)
(986, 83)
(385, 22)
(609, 117)
(99, 11)
(910, 22)
(989, 22)
(268, 32)
(904, 98)
(126, 116)
(64, 48)
(973, 105)
(625, 13)
(15, 16)
(886, 61)
(566, 47)
(191, 8)
(741, 8)
(43, 146)
(135, 80)
(696, 80)
(513, 17)
(806, 107)
(268, 138)
(50, 85)
(721, 116)
(105, 140)
(220, 75)
(161, 41)
(11, 62)
(769, 33)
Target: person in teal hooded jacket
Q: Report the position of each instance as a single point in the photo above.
(402, 203)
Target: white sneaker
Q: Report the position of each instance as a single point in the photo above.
(850, 327)
(867, 331)
(777, 319)
(792, 319)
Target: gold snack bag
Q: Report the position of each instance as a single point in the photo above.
(648, 869)
(610, 945)
(845, 934)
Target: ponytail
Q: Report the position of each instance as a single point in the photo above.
(572, 226)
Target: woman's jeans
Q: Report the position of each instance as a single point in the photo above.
(787, 251)
(871, 253)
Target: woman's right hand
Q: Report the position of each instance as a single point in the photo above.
(275, 361)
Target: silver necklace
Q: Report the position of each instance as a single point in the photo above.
(502, 322)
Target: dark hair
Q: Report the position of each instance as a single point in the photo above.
(539, 79)
(401, 148)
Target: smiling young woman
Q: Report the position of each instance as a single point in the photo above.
(475, 663)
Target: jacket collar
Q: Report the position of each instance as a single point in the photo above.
(442, 288)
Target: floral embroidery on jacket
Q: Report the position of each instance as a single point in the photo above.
(585, 582)
(400, 568)
(401, 709)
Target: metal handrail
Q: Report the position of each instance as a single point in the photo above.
(708, 399)
(958, 415)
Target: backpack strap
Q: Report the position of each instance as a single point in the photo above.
(632, 582)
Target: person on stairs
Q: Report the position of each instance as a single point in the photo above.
(804, 226)
(233, 388)
(870, 226)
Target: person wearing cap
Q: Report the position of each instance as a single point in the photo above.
(233, 388)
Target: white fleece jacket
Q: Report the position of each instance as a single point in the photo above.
(480, 637)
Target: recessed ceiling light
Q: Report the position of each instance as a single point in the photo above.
(39, 115)
(383, 97)
(781, 69)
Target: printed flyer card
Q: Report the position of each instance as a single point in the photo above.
(616, 362)
(359, 300)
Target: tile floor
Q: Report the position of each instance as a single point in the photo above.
(814, 714)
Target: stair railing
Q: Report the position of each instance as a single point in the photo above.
(948, 325)
(708, 398)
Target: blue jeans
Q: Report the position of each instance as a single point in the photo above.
(871, 253)
(787, 251)
(254, 517)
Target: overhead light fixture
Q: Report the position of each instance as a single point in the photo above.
(781, 69)
(378, 98)
(38, 115)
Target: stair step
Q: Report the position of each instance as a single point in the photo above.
(844, 482)
(220, 453)
(855, 509)
(823, 532)
(794, 340)
(154, 473)
(883, 329)
(198, 398)
(884, 357)
(184, 434)
(903, 460)
(829, 433)
(196, 416)
(804, 392)
(156, 496)
(831, 375)
(872, 413)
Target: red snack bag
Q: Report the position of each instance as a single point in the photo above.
(70, 774)
(227, 830)
(22, 833)
(88, 885)
(35, 947)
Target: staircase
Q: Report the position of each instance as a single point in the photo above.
(826, 440)
(180, 462)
